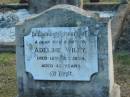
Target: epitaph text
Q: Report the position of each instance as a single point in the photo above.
(61, 53)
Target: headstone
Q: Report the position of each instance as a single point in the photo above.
(124, 1)
(117, 23)
(37, 6)
(65, 52)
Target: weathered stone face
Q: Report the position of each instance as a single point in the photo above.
(101, 82)
(37, 6)
(61, 53)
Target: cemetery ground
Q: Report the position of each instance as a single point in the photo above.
(8, 73)
(9, 1)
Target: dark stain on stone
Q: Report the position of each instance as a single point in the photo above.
(20, 88)
(105, 92)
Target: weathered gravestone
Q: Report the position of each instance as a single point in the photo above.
(65, 52)
(37, 6)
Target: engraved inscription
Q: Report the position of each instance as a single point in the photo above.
(61, 53)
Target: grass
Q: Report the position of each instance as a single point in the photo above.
(122, 72)
(7, 75)
(122, 61)
(9, 1)
(123, 58)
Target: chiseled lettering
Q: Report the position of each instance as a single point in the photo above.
(42, 50)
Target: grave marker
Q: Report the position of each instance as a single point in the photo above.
(65, 52)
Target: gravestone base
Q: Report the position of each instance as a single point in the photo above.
(116, 91)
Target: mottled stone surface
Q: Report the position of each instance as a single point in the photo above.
(37, 6)
(101, 83)
(119, 14)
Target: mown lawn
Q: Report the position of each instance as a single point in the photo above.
(7, 75)
(122, 72)
(9, 1)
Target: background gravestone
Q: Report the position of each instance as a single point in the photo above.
(37, 6)
(100, 83)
